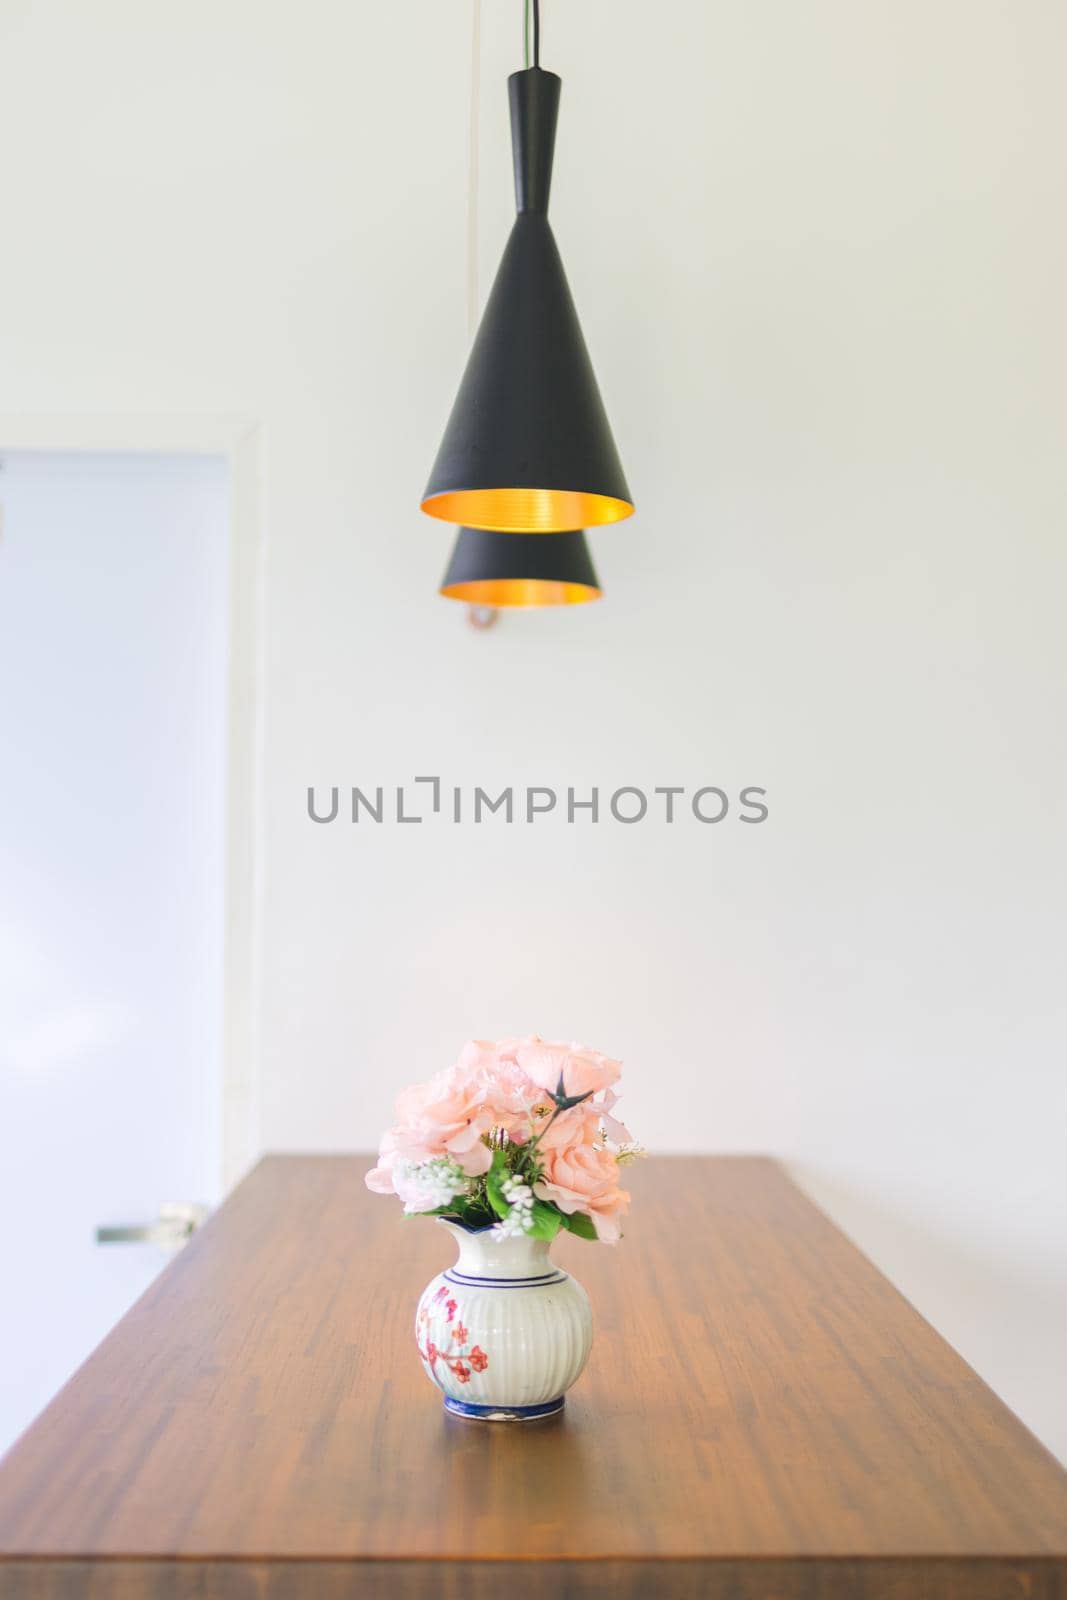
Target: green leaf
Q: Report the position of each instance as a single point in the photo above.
(546, 1221)
(493, 1179)
(580, 1224)
(564, 1102)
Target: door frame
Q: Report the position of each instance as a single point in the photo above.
(238, 441)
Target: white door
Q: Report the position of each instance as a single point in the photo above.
(113, 618)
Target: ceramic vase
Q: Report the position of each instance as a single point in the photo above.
(505, 1332)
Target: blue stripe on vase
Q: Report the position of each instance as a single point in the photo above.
(467, 1408)
(468, 1280)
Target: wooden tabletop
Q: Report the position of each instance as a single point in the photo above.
(762, 1416)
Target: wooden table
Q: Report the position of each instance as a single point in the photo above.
(763, 1416)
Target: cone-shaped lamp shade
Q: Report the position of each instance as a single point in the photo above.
(489, 568)
(528, 448)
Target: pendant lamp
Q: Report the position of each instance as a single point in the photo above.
(489, 568)
(528, 448)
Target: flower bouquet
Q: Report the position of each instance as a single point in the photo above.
(512, 1144)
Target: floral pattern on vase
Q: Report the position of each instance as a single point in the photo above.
(459, 1361)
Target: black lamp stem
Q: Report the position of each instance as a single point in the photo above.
(534, 97)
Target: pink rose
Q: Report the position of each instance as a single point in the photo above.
(380, 1178)
(583, 1071)
(510, 1087)
(478, 1057)
(579, 1172)
(444, 1117)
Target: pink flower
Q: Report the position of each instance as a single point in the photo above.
(462, 1373)
(478, 1359)
(513, 1097)
(380, 1178)
(604, 1104)
(478, 1057)
(579, 1172)
(582, 1071)
(445, 1117)
(446, 1130)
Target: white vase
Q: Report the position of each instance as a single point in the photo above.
(505, 1332)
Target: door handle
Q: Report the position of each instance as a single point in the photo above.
(177, 1222)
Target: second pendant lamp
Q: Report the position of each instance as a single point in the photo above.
(509, 570)
(528, 448)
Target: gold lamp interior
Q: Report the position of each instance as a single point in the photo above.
(520, 593)
(526, 510)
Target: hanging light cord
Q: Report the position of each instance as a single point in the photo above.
(536, 33)
(472, 169)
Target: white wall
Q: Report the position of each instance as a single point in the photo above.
(819, 255)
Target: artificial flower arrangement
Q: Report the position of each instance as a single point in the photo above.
(517, 1137)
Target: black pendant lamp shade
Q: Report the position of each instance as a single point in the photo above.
(489, 568)
(528, 448)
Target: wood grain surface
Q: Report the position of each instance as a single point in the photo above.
(763, 1415)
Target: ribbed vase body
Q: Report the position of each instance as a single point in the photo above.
(505, 1332)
